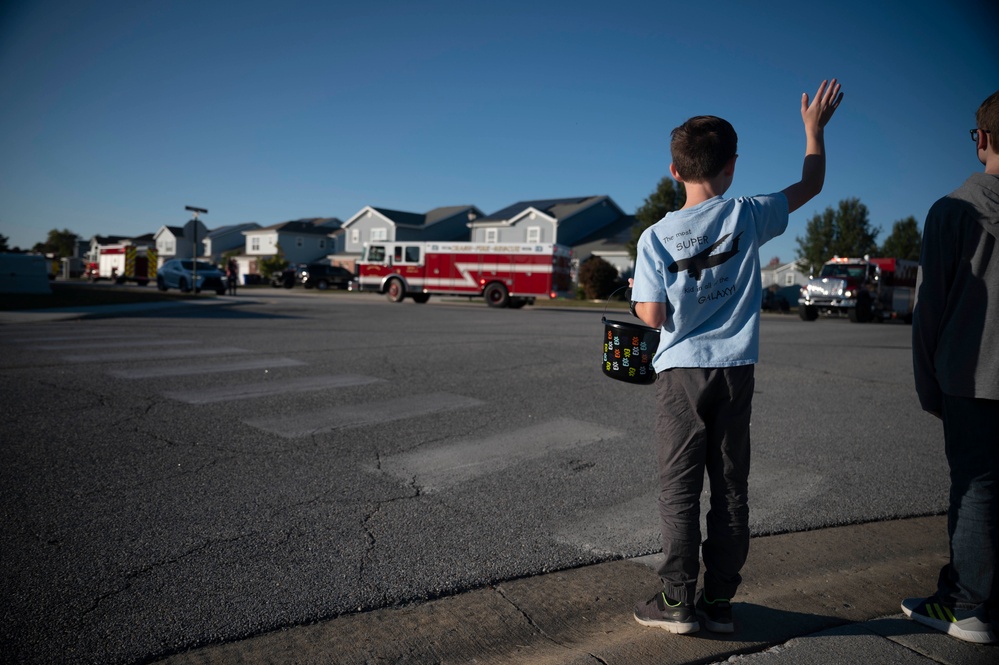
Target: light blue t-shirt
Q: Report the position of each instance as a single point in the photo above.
(704, 263)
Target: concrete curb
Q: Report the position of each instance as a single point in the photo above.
(819, 583)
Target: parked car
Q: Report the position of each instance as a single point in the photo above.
(285, 278)
(322, 276)
(179, 274)
(780, 300)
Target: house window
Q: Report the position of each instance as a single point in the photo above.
(533, 234)
(355, 236)
(789, 279)
(379, 234)
(322, 243)
(255, 244)
(491, 235)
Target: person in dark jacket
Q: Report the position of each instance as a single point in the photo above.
(956, 364)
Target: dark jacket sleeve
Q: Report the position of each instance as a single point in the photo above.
(933, 285)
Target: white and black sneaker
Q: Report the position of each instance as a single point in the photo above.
(715, 614)
(662, 612)
(968, 625)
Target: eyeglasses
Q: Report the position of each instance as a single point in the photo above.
(974, 134)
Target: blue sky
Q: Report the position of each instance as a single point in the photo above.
(116, 115)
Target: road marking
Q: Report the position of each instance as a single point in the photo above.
(628, 526)
(91, 344)
(269, 388)
(84, 336)
(446, 466)
(153, 356)
(343, 417)
(201, 368)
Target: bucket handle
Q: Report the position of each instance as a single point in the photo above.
(611, 296)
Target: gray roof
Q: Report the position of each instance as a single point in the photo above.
(313, 225)
(416, 220)
(611, 238)
(231, 228)
(557, 208)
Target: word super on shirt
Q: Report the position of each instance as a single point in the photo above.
(704, 263)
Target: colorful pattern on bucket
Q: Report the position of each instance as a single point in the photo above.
(628, 351)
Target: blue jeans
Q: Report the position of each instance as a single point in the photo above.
(702, 424)
(971, 437)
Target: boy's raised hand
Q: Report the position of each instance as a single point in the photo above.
(816, 114)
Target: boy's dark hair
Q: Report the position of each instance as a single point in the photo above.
(987, 118)
(702, 146)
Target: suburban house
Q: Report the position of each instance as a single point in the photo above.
(179, 242)
(589, 225)
(372, 224)
(788, 274)
(609, 243)
(562, 221)
(300, 241)
(225, 239)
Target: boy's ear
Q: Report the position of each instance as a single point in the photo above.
(730, 166)
(673, 172)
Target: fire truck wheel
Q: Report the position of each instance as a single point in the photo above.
(496, 295)
(862, 312)
(395, 290)
(421, 297)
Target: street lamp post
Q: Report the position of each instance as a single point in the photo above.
(194, 263)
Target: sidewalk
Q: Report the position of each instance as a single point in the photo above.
(828, 596)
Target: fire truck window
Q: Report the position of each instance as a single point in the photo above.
(412, 255)
(398, 254)
(376, 253)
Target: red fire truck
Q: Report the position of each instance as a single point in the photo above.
(506, 275)
(864, 289)
(123, 262)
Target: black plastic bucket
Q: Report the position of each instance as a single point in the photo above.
(628, 351)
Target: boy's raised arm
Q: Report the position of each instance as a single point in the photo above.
(815, 115)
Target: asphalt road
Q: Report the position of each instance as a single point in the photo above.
(202, 475)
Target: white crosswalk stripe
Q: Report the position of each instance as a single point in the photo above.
(459, 462)
(268, 388)
(160, 355)
(202, 368)
(344, 417)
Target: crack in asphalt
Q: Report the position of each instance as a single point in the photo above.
(538, 629)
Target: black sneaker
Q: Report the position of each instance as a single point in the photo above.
(661, 612)
(716, 614)
(967, 625)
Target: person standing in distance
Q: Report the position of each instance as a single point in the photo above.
(697, 279)
(955, 357)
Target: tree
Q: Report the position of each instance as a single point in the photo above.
(669, 196)
(904, 241)
(60, 243)
(845, 231)
(597, 277)
(4, 247)
(273, 265)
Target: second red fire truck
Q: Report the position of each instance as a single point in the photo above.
(506, 275)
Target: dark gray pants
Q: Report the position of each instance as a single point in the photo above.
(703, 425)
(972, 446)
